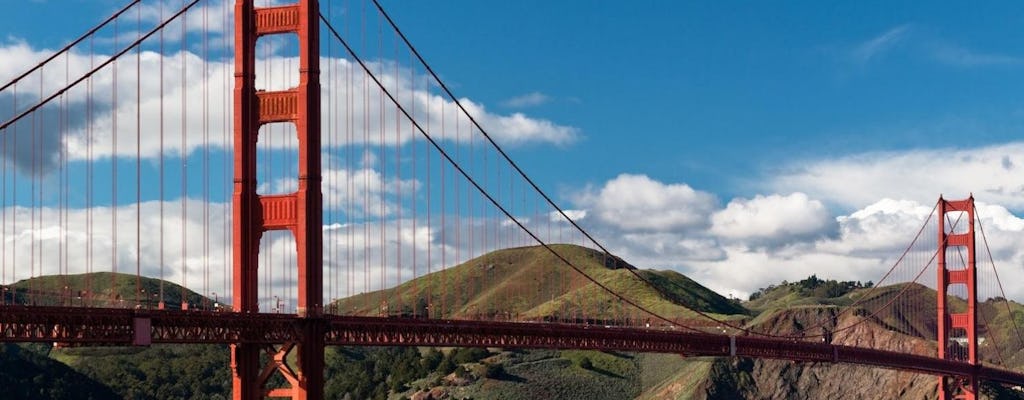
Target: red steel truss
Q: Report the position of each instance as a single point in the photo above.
(123, 327)
(960, 387)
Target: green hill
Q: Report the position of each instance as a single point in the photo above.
(103, 289)
(531, 283)
(534, 284)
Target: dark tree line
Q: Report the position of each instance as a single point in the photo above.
(813, 286)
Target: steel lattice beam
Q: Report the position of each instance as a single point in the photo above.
(89, 326)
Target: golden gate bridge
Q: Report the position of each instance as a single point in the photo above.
(327, 200)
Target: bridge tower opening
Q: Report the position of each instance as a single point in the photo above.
(954, 240)
(298, 212)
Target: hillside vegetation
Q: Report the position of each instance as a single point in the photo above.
(530, 283)
(104, 289)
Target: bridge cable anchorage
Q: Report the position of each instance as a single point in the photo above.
(480, 189)
(89, 74)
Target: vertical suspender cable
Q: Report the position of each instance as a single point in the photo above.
(429, 221)
(163, 198)
(366, 174)
(383, 163)
(444, 228)
(398, 188)
(115, 295)
(89, 178)
(456, 194)
(332, 103)
(225, 175)
(184, 163)
(206, 154)
(138, 162)
(350, 175)
(3, 199)
(32, 198)
(14, 195)
(61, 192)
(412, 195)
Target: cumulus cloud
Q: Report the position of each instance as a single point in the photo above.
(772, 218)
(639, 203)
(575, 215)
(189, 242)
(191, 107)
(751, 243)
(854, 181)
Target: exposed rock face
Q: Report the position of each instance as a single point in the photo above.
(778, 379)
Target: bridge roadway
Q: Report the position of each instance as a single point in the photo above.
(127, 327)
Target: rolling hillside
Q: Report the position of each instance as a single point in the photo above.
(543, 289)
(103, 289)
(532, 283)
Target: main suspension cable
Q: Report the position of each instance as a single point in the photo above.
(69, 45)
(479, 188)
(89, 74)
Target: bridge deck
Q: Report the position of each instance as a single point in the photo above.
(126, 327)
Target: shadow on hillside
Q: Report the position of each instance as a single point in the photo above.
(605, 372)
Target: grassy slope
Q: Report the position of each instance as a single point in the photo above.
(532, 283)
(102, 289)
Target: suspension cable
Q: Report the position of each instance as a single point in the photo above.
(1009, 312)
(529, 180)
(69, 45)
(479, 188)
(97, 68)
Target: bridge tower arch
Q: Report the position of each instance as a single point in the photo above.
(950, 324)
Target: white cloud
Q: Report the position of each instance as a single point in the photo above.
(639, 203)
(354, 109)
(196, 250)
(878, 45)
(86, 238)
(575, 215)
(991, 173)
(753, 243)
(929, 46)
(773, 218)
(531, 99)
(965, 57)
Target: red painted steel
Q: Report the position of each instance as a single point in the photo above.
(304, 334)
(959, 387)
(298, 212)
(105, 326)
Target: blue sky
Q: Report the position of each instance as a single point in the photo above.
(718, 94)
(723, 137)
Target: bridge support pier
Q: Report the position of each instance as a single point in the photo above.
(299, 212)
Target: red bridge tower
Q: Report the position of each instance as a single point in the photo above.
(958, 324)
(298, 212)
